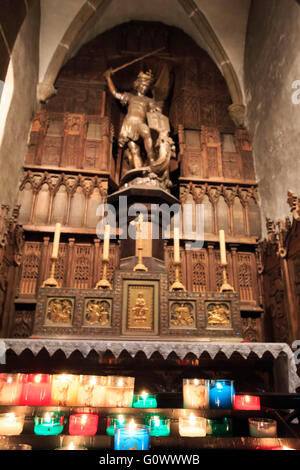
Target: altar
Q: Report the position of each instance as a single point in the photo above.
(133, 255)
(281, 358)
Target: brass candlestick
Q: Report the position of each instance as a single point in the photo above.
(177, 285)
(51, 281)
(140, 265)
(104, 283)
(226, 287)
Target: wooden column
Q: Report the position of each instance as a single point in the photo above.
(235, 271)
(70, 259)
(212, 285)
(96, 261)
(44, 266)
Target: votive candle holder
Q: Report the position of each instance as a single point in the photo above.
(221, 394)
(132, 437)
(10, 389)
(83, 424)
(159, 425)
(192, 426)
(92, 391)
(262, 427)
(195, 393)
(64, 389)
(119, 391)
(36, 390)
(50, 423)
(11, 424)
(144, 400)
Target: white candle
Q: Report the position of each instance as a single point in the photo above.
(106, 242)
(195, 393)
(56, 241)
(262, 427)
(176, 245)
(10, 424)
(222, 247)
(72, 446)
(64, 389)
(10, 389)
(119, 392)
(193, 426)
(92, 391)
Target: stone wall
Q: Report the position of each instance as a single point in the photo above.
(18, 102)
(272, 64)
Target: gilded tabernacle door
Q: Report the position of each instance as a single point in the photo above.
(140, 312)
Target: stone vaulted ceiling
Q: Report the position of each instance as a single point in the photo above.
(217, 26)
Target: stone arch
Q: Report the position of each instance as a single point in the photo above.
(206, 33)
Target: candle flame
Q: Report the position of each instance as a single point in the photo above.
(38, 378)
(156, 421)
(144, 395)
(84, 419)
(247, 398)
(219, 385)
(196, 382)
(65, 378)
(11, 416)
(71, 446)
(93, 381)
(192, 419)
(132, 426)
(120, 383)
(47, 417)
(9, 379)
(121, 419)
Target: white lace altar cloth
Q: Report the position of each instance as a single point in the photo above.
(181, 349)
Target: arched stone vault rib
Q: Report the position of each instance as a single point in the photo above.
(208, 36)
(206, 33)
(46, 88)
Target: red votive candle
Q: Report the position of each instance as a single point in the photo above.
(246, 402)
(36, 390)
(83, 424)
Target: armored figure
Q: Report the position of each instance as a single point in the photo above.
(144, 114)
(134, 125)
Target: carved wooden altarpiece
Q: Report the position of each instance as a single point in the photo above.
(74, 164)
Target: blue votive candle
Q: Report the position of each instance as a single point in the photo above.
(221, 394)
(132, 437)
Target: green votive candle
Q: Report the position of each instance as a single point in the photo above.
(221, 427)
(50, 424)
(159, 425)
(113, 422)
(144, 401)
